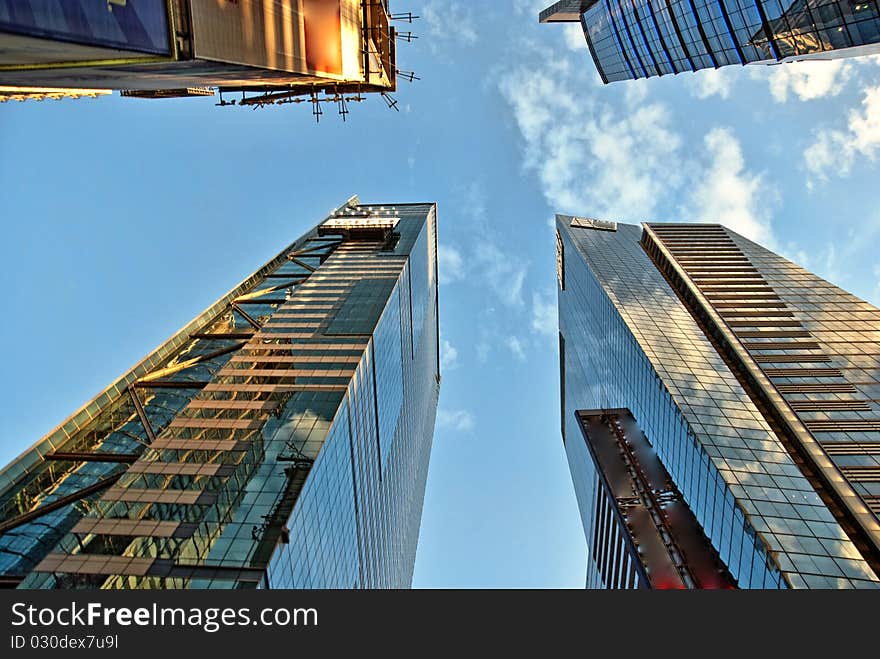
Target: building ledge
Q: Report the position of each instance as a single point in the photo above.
(565, 11)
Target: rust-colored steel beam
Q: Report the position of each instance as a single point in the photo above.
(80, 456)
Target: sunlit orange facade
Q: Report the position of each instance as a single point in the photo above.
(153, 47)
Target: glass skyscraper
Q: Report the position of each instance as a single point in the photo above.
(279, 440)
(720, 411)
(631, 39)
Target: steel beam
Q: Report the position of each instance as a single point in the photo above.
(244, 314)
(80, 456)
(30, 516)
(142, 414)
(171, 384)
(182, 366)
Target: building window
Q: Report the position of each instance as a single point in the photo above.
(560, 260)
(562, 383)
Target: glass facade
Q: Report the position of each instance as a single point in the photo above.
(281, 440)
(632, 338)
(631, 39)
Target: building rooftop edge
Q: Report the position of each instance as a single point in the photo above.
(565, 11)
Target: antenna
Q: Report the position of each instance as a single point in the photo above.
(343, 107)
(408, 17)
(405, 36)
(316, 108)
(390, 101)
(407, 75)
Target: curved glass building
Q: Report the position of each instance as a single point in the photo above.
(631, 39)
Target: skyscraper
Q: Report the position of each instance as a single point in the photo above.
(159, 48)
(281, 439)
(631, 39)
(720, 411)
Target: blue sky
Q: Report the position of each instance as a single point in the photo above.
(124, 218)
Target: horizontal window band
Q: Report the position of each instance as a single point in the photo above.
(750, 307)
(217, 445)
(705, 252)
(104, 565)
(212, 404)
(180, 497)
(182, 468)
(827, 388)
(803, 372)
(243, 372)
(699, 261)
(94, 564)
(782, 345)
(785, 359)
(297, 359)
(844, 426)
(218, 424)
(286, 347)
(743, 298)
(270, 336)
(829, 405)
(135, 528)
(274, 388)
(736, 288)
(675, 244)
(766, 315)
(770, 334)
(852, 448)
(862, 474)
(731, 282)
(764, 323)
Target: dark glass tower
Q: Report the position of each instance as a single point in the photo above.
(720, 411)
(631, 39)
(281, 439)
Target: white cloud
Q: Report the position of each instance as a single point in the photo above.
(448, 356)
(501, 271)
(806, 80)
(533, 7)
(586, 154)
(516, 347)
(834, 151)
(504, 275)
(450, 264)
(625, 163)
(449, 21)
(573, 36)
(460, 420)
(828, 268)
(727, 193)
(544, 314)
(712, 82)
(834, 260)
